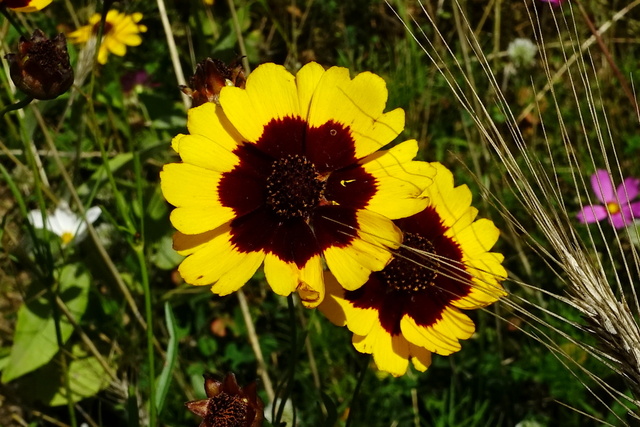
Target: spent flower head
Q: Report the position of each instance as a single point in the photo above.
(227, 404)
(210, 77)
(412, 308)
(617, 203)
(287, 172)
(41, 68)
(25, 5)
(65, 223)
(120, 31)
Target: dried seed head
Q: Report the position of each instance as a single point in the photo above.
(41, 68)
(210, 77)
(228, 404)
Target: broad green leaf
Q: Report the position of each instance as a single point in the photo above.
(164, 256)
(34, 342)
(87, 377)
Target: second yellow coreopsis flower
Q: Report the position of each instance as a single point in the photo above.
(120, 31)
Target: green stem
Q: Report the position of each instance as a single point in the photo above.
(43, 253)
(13, 22)
(53, 295)
(292, 363)
(356, 392)
(144, 278)
(18, 105)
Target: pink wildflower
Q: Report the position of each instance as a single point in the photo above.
(554, 3)
(617, 205)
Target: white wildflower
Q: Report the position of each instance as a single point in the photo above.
(65, 223)
(522, 52)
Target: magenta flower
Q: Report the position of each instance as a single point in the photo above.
(554, 3)
(617, 205)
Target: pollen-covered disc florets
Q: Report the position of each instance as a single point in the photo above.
(294, 188)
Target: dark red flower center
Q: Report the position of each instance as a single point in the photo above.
(16, 3)
(414, 267)
(294, 188)
(225, 410)
(108, 26)
(419, 282)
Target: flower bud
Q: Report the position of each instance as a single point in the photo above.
(210, 77)
(41, 68)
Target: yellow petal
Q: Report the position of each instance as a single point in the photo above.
(400, 182)
(307, 80)
(194, 191)
(114, 46)
(311, 287)
(443, 336)
(333, 302)
(282, 276)
(478, 238)
(218, 260)
(391, 354)
(369, 251)
(186, 244)
(103, 54)
(209, 120)
(487, 272)
(286, 277)
(270, 93)
(201, 151)
(357, 104)
(420, 357)
(32, 6)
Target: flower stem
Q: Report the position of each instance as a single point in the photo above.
(144, 278)
(53, 297)
(356, 392)
(18, 105)
(292, 362)
(13, 22)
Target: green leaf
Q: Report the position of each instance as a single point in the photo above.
(34, 342)
(164, 380)
(164, 256)
(87, 378)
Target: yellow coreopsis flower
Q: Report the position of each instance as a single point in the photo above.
(25, 5)
(120, 31)
(288, 172)
(411, 308)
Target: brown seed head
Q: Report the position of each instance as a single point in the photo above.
(41, 68)
(210, 77)
(228, 404)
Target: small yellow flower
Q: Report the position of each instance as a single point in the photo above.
(120, 31)
(25, 5)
